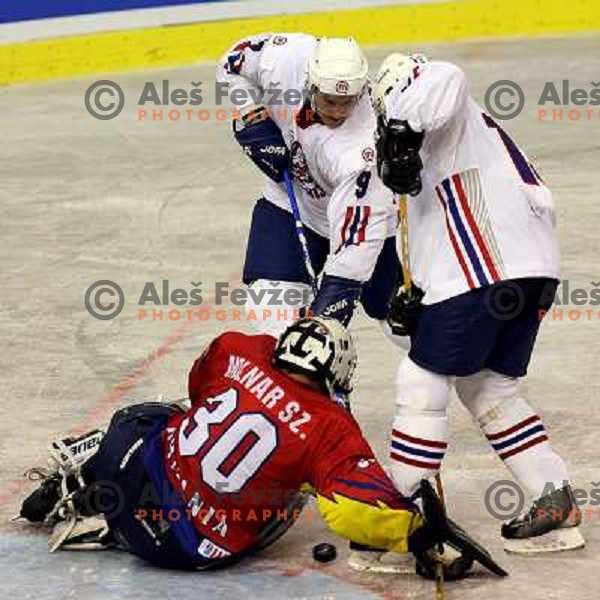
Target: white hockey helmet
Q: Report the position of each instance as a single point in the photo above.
(321, 347)
(337, 66)
(396, 70)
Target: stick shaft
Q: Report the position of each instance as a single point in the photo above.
(439, 582)
(440, 490)
(403, 218)
(300, 231)
(403, 214)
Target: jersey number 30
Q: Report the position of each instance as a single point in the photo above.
(257, 433)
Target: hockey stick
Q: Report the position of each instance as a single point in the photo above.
(300, 231)
(341, 398)
(403, 222)
(403, 214)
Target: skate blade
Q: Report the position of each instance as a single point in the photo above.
(382, 562)
(558, 540)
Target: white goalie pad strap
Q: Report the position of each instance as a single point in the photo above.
(79, 533)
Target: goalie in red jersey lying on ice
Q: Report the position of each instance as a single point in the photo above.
(205, 486)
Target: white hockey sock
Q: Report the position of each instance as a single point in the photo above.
(514, 430)
(418, 446)
(420, 430)
(520, 439)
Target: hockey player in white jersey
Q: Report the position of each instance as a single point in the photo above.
(484, 253)
(303, 105)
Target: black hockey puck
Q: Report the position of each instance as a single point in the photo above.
(324, 552)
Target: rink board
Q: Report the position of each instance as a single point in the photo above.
(154, 47)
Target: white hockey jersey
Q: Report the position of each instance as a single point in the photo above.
(339, 196)
(484, 213)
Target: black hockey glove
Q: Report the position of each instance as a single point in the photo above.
(398, 162)
(337, 298)
(263, 142)
(405, 310)
(438, 531)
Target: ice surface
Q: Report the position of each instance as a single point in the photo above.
(129, 201)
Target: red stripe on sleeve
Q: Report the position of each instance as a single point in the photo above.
(349, 214)
(347, 220)
(474, 228)
(363, 224)
(457, 250)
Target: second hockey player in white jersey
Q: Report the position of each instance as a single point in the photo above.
(303, 106)
(483, 250)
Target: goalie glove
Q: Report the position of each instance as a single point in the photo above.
(440, 531)
(260, 137)
(405, 310)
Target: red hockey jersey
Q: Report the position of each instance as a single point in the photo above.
(254, 436)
